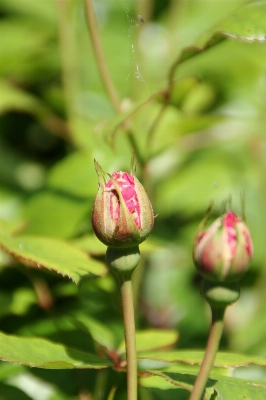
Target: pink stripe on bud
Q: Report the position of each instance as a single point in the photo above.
(122, 214)
(127, 186)
(224, 250)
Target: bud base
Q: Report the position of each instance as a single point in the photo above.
(220, 295)
(122, 261)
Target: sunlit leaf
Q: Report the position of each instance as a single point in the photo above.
(42, 10)
(247, 23)
(166, 381)
(223, 360)
(56, 213)
(239, 388)
(99, 331)
(52, 254)
(93, 245)
(75, 175)
(152, 339)
(226, 387)
(42, 353)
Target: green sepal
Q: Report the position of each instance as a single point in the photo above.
(122, 261)
(220, 295)
(103, 177)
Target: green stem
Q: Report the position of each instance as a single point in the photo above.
(99, 55)
(122, 262)
(156, 121)
(68, 54)
(144, 8)
(210, 353)
(130, 339)
(104, 72)
(100, 384)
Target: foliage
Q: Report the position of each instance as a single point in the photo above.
(191, 84)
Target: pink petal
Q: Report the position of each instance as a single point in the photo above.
(126, 183)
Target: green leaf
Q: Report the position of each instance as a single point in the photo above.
(40, 10)
(5, 301)
(111, 395)
(100, 332)
(42, 353)
(209, 176)
(18, 43)
(9, 392)
(170, 380)
(92, 244)
(75, 174)
(23, 299)
(223, 360)
(56, 213)
(63, 209)
(53, 254)
(13, 98)
(247, 23)
(9, 370)
(226, 387)
(152, 339)
(238, 388)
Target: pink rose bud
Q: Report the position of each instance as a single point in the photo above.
(223, 251)
(122, 215)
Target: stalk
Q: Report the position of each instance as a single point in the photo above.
(213, 343)
(122, 263)
(130, 338)
(219, 296)
(99, 55)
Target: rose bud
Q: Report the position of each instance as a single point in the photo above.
(122, 214)
(222, 252)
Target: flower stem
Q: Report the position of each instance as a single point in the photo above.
(210, 353)
(122, 262)
(99, 55)
(130, 339)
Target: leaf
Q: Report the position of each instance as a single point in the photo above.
(171, 380)
(42, 353)
(92, 244)
(56, 213)
(9, 392)
(65, 205)
(209, 176)
(53, 254)
(247, 23)
(13, 98)
(238, 388)
(75, 174)
(112, 393)
(8, 370)
(40, 10)
(18, 43)
(5, 301)
(223, 360)
(22, 299)
(152, 339)
(226, 387)
(100, 332)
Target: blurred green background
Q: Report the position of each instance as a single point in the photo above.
(208, 143)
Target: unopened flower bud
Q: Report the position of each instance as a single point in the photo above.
(222, 252)
(122, 214)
